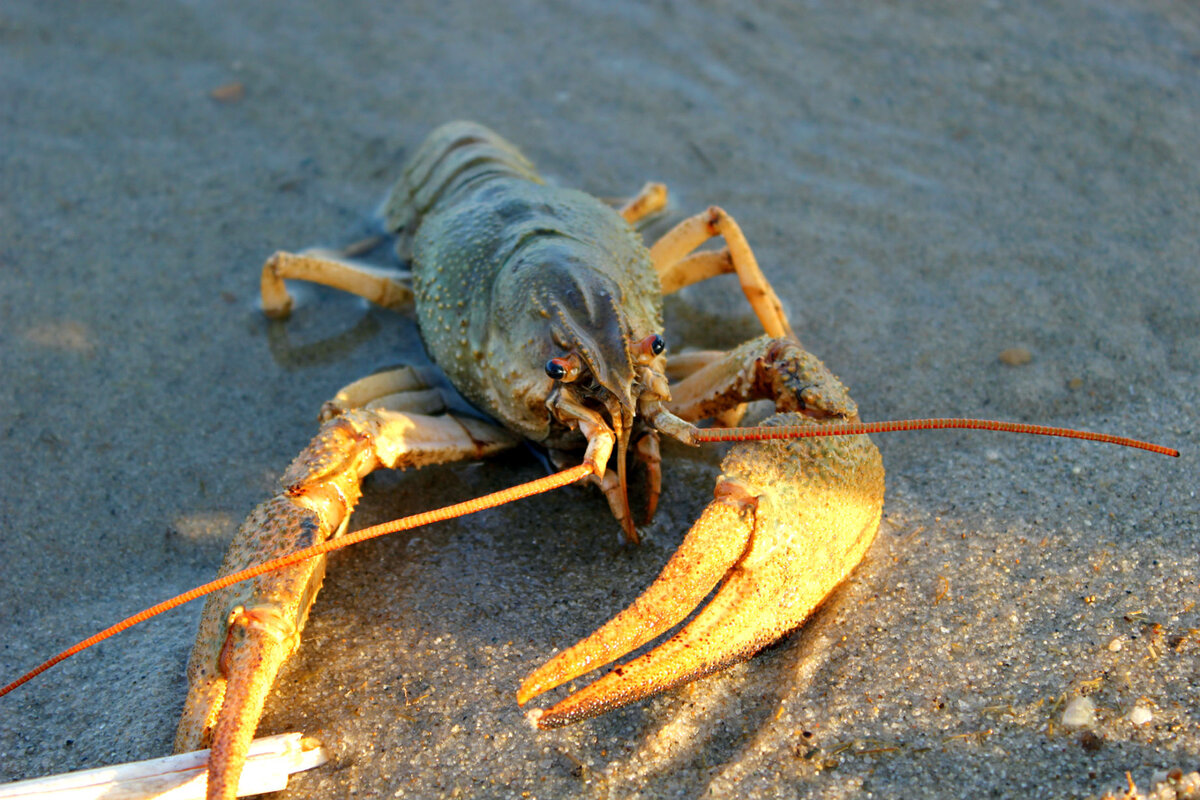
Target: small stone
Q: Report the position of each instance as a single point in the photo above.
(1115, 645)
(229, 93)
(1016, 356)
(1140, 715)
(1079, 713)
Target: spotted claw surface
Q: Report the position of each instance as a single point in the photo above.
(789, 521)
(248, 630)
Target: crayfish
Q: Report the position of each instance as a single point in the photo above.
(543, 308)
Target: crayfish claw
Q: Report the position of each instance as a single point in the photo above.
(257, 645)
(246, 633)
(249, 628)
(713, 545)
(790, 520)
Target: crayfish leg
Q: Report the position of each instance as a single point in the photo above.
(678, 266)
(650, 456)
(765, 368)
(389, 288)
(650, 200)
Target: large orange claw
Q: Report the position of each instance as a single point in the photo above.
(789, 521)
(248, 630)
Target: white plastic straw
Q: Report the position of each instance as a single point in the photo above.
(182, 777)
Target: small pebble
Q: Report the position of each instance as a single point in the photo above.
(229, 93)
(1079, 713)
(1140, 715)
(1115, 645)
(1016, 356)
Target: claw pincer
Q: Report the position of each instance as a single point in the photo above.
(789, 521)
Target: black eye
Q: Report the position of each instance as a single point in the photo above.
(556, 369)
(657, 344)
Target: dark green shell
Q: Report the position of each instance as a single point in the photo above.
(509, 272)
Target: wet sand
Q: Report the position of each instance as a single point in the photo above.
(926, 188)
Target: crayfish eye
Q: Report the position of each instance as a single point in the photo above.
(651, 346)
(563, 369)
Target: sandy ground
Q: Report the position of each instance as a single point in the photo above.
(928, 186)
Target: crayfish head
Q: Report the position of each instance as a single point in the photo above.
(603, 402)
(605, 362)
(575, 328)
(605, 413)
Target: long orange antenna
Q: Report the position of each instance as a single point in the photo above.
(853, 428)
(555, 481)
(569, 476)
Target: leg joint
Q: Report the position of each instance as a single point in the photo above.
(713, 219)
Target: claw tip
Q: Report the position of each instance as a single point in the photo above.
(533, 717)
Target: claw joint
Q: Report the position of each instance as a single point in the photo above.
(736, 495)
(798, 381)
(265, 620)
